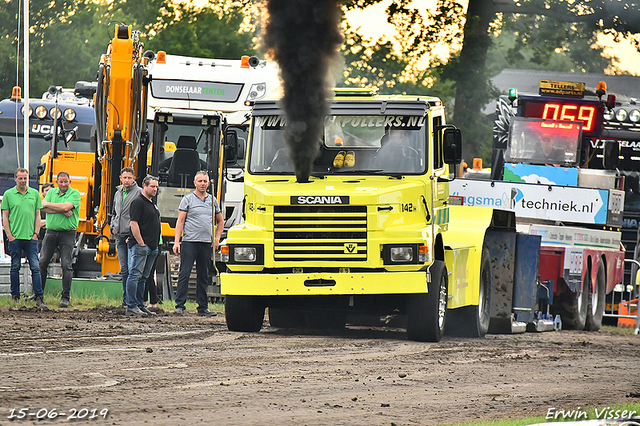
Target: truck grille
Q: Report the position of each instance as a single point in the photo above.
(312, 233)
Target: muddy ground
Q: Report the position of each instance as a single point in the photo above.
(188, 370)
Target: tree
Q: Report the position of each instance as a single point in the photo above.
(68, 37)
(467, 67)
(379, 64)
(576, 52)
(213, 31)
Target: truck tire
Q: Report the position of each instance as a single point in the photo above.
(573, 308)
(595, 312)
(285, 318)
(426, 313)
(243, 313)
(473, 321)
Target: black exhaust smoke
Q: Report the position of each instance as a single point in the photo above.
(304, 36)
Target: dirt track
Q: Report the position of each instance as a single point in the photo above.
(183, 370)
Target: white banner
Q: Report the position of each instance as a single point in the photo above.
(556, 203)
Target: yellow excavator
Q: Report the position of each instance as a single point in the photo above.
(119, 139)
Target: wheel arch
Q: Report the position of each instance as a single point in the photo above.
(438, 248)
(588, 272)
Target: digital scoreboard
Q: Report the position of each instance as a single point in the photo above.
(564, 101)
(587, 111)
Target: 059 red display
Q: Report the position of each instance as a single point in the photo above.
(565, 111)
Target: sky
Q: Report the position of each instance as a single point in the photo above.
(372, 22)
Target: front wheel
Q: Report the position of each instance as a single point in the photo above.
(595, 311)
(243, 313)
(426, 313)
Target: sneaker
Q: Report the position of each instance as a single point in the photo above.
(180, 311)
(64, 303)
(145, 310)
(40, 303)
(134, 312)
(207, 313)
(15, 298)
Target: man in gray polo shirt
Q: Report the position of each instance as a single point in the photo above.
(195, 218)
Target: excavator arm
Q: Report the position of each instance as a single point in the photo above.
(121, 133)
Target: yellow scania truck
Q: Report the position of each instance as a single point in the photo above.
(372, 234)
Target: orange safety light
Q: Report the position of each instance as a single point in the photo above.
(423, 253)
(224, 253)
(338, 141)
(602, 87)
(162, 57)
(244, 61)
(477, 164)
(16, 93)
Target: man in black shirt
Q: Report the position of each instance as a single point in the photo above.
(143, 245)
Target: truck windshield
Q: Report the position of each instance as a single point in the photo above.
(350, 144)
(534, 141)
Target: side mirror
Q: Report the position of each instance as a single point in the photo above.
(1, 143)
(452, 146)
(611, 155)
(231, 147)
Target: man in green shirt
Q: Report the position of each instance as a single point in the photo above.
(62, 206)
(21, 221)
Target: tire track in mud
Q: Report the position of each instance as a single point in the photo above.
(179, 370)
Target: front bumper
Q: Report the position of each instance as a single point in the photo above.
(248, 284)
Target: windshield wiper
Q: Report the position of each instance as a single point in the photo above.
(396, 175)
(352, 171)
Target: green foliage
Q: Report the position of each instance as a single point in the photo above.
(68, 37)
(380, 64)
(537, 34)
(369, 64)
(541, 43)
(205, 32)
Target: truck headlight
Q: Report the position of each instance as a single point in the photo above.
(400, 253)
(246, 253)
(257, 91)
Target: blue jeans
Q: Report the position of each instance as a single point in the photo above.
(30, 247)
(140, 263)
(201, 254)
(123, 257)
(64, 241)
